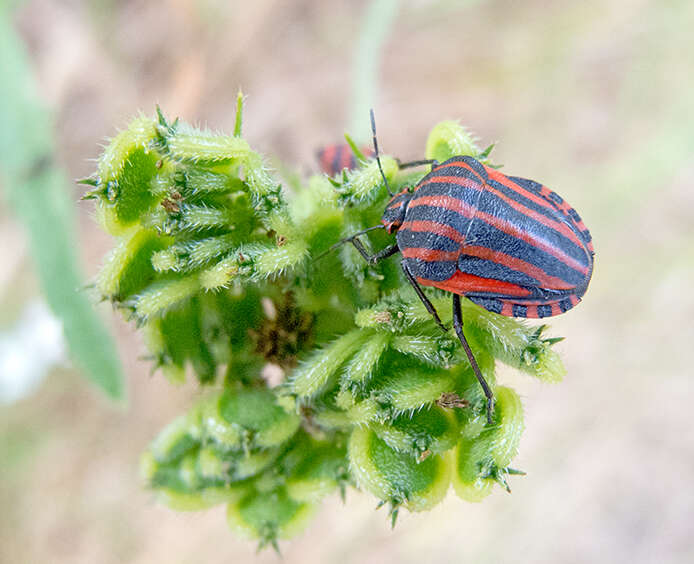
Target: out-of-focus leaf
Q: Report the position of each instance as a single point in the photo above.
(378, 20)
(36, 190)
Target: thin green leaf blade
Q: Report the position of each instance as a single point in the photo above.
(36, 191)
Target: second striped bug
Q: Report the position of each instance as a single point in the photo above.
(506, 243)
(333, 159)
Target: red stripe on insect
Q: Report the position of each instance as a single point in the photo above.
(506, 181)
(461, 164)
(507, 309)
(547, 303)
(327, 159)
(458, 180)
(430, 255)
(546, 281)
(446, 202)
(463, 283)
(345, 158)
(555, 308)
(561, 228)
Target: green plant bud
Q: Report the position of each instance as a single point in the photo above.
(334, 419)
(406, 389)
(450, 139)
(221, 275)
(128, 268)
(268, 516)
(516, 343)
(540, 359)
(139, 135)
(187, 468)
(366, 183)
(381, 317)
(317, 198)
(513, 342)
(183, 257)
(177, 489)
(176, 339)
(159, 297)
(312, 376)
(193, 217)
(210, 464)
(216, 429)
(437, 351)
(156, 342)
(482, 460)
(357, 412)
(125, 184)
(129, 196)
(254, 262)
(148, 467)
(322, 229)
(197, 182)
(321, 468)
(196, 501)
(189, 145)
(256, 413)
(361, 366)
(430, 431)
(177, 438)
(397, 477)
(245, 465)
(473, 419)
(262, 184)
(364, 411)
(276, 261)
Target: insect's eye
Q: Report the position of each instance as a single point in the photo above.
(410, 189)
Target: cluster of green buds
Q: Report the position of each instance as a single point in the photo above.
(323, 371)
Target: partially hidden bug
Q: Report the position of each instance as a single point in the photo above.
(507, 243)
(332, 159)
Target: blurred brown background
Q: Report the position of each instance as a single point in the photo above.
(592, 98)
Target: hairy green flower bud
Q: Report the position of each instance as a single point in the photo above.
(328, 371)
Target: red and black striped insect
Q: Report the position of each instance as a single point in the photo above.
(335, 158)
(506, 243)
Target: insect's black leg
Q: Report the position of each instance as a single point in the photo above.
(378, 158)
(412, 164)
(379, 256)
(458, 324)
(420, 293)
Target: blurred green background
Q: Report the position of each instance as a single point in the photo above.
(592, 98)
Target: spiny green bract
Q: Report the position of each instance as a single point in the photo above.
(327, 372)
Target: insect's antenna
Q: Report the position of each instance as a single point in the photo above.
(348, 240)
(378, 158)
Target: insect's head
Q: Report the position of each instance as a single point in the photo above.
(394, 214)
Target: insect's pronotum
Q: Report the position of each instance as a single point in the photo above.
(506, 243)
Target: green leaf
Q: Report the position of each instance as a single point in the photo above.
(378, 19)
(37, 192)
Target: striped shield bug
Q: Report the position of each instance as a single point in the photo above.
(332, 159)
(506, 243)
